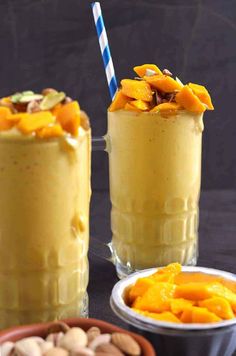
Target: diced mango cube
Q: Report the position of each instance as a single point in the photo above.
(140, 287)
(5, 124)
(164, 316)
(202, 315)
(168, 273)
(119, 101)
(140, 104)
(193, 291)
(166, 107)
(54, 130)
(68, 116)
(15, 118)
(203, 94)
(179, 305)
(130, 107)
(141, 70)
(219, 306)
(163, 83)
(156, 299)
(218, 290)
(35, 121)
(188, 100)
(136, 89)
(4, 112)
(198, 315)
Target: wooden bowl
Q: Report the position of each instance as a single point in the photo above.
(20, 332)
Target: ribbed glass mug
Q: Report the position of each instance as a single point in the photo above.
(44, 228)
(155, 176)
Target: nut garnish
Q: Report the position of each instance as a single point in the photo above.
(56, 351)
(92, 333)
(51, 100)
(126, 343)
(47, 91)
(73, 337)
(73, 342)
(109, 349)
(27, 347)
(167, 72)
(33, 106)
(99, 340)
(6, 348)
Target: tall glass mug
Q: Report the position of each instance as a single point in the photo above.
(44, 227)
(155, 175)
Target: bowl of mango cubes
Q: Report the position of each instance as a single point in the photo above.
(187, 311)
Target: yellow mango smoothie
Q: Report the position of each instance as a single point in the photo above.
(154, 144)
(44, 208)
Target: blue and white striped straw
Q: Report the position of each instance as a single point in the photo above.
(104, 47)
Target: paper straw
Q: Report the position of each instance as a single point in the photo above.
(104, 47)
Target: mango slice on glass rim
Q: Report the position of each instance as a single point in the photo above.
(140, 104)
(172, 107)
(5, 124)
(4, 112)
(163, 83)
(35, 121)
(143, 69)
(119, 101)
(202, 93)
(130, 107)
(136, 89)
(188, 100)
(68, 116)
(54, 130)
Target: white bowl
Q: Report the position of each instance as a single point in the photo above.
(169, 339)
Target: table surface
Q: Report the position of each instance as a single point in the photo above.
(217, 245)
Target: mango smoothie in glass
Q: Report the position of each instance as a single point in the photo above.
(155, 126)
(44, 208)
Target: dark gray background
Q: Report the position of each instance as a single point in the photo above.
(53, 43)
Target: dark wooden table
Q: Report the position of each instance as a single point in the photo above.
(217, 245)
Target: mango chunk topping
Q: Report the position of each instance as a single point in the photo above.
(33, 122)
(136, 89)
(157, 91)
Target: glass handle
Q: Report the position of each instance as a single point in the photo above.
(101, 249)
(99, 143)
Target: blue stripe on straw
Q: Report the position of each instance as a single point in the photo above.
(99, 26)
(113, 86)
(103, 42)
(106, 55)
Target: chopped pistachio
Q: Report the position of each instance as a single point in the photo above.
(179, 81)
(150, 72)
(26, 98)
(52, 99)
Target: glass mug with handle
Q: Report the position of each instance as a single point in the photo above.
(155, 177)
(44, 208)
